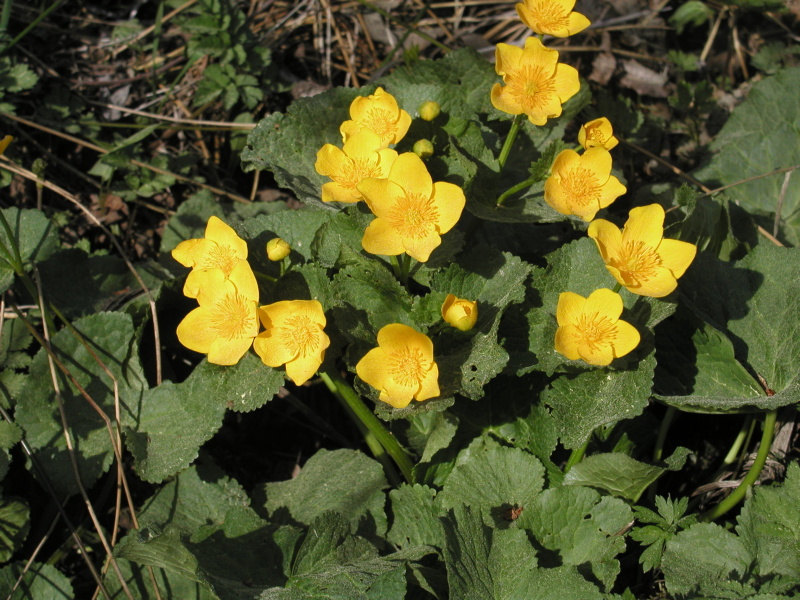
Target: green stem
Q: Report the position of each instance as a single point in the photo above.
(41, 16)
(576, 456)
(512, 134)
(744, 434)
(617, 287)
(739, 493)
(364, 415)
(264, 276)
(5, 16)
(663, 429)
(511, 191)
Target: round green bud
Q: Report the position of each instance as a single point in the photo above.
(429, 110)
(423, 149)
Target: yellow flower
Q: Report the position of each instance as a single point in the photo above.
(293, 337)
(582, 184)
(552, 17)
(461, 314)
(362, 156)
(638, 256)
(412, 212)
(225, 323)
(536, 83)
(597, 133)
(380, 113)
(278, 249)
(401, 367)
(4, 143)
(429, 110)
(220, 249)
(589, 328)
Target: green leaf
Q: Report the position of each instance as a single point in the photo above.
(110, 338)
(416, 517)
(342, 481)
(493, 480)
(14, 526)
(297, 227)
(754, 303)
(174, 420)
(707, 561)
(40, 582)
(758, 138)
(10, 434)
(32, 236)
(578, 526)
(616, 473)
(584, 402)
(138, 580)
(287, 143)
(692, 13)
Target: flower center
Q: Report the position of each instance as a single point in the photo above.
(414, 216)
(355, 170)
(220, 257)
(302, 335)
(595, 135)
(596, 331)
(408, 367)
(637, 262)
(234, 317)
(381, 122)
(549, 15)
(580, 185)
(530, 86)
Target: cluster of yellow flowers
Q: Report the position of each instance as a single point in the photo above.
(638, 256)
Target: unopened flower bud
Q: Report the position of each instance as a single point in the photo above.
(597, 133)
(423, 149)
(428, 111)
(461, 314)
(278, 249)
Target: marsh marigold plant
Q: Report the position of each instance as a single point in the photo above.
(638, 256)
(552, 17)
(401, 368)
(293, 336)
(590, 328)
(221, 248)
(582, 184)
(412, 212)
(459, 312)
(597, 132)
(380, 113)
(536, 84)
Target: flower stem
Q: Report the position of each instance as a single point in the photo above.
(617, 287)
(576, 456)
(511, 191)
(658, 450)
(512, 134)
(739, 493)
(377, 432)
(264, 276)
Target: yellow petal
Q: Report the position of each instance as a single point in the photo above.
(677, 255)
(410, 173)
(429, 387)
(503, 100)
(507, 58)
(363, 144)
(398, 393)
(598, 160)
(403, 125)
(645, 224)
(605, 303)
(336, 192)
(627, 339)
(302, 368)
(381, 195)
(194, 332)
(330, 161)
(373, 368)
(567, 83)
(224, 235)
(566, 341)
(396, 337)
(228, 352)
(245, 281)
(569, 308)
(272, 351)
(660, 284)
(577, 23)
(396, 401)
(185, 252)
(537, 55)
(607, 236)
(421, 248)
(207, 285)
(381, 238)
(612, 190)
(598, 355)
(5, 142)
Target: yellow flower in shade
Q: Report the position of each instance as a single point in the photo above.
(412, 211)
(362, 156)
(461, 314)
(278, 249)
(638, 256)
(220, 249)
(5, 142)
(597, 133)
(536, 84)
(552, 17)
(590, 329)
(401, 367)
(380, 113)
(582, 184)
(225, 323)
(293, 337)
